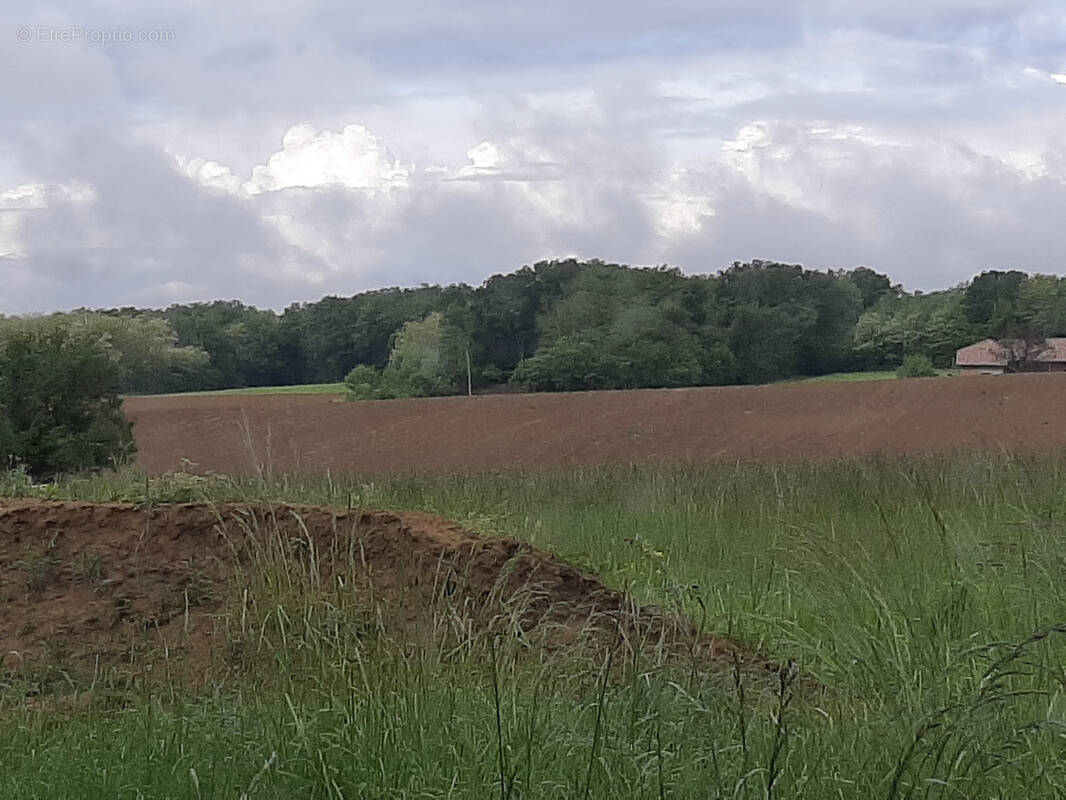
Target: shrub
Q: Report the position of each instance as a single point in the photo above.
(367, 383)
(916, 366)
(363, 383)
(572, 363)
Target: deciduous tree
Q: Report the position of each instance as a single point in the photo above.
(59, 406)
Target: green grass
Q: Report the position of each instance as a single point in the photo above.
(856, 377)
(307, 388)
(923, 595)
(339, 388)
(846, 377)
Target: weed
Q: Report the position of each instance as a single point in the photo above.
(40, 568)
(199, 586)
(89, 569)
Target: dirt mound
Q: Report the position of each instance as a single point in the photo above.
(111, 584)
(792, 422)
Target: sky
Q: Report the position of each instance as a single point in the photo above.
(154, 153)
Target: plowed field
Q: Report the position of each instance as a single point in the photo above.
(790, 422)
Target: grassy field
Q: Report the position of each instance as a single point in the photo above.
(307, 388)
(847, 377)
(850, 377)
(338, 388)
(925, 598)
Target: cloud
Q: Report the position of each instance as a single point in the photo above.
(352, 158)
(831, 197)
(210, 173)
(413, 142)
(133, 227)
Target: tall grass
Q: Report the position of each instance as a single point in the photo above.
(923, 600)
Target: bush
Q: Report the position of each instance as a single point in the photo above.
(363, 383)
(367, 383)
(916, 366)
(59, 406)
(593, 360)
(573, 363)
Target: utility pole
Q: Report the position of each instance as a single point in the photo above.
(469, 381)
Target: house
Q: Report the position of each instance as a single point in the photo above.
(996, 356)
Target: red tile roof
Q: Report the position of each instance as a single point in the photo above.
(1001, 352)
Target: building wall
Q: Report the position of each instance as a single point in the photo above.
(1036, 366)
(1056, 366)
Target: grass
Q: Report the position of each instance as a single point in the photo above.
(847, 377)
(855, 377)
(926, 596)
(339, 388)
(307, 388)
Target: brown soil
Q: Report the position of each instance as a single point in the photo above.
(312, 434)
(125, 589)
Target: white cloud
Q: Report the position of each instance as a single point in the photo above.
(210, 173)
(28, 196)
(516, 159)
(485, 158)
(1043, 75)
(353, 158)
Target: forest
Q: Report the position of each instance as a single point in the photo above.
(565, 326)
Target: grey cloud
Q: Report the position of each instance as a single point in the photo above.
(905, 216)
(899, 214)
(147, 226)
(945, 74)
(244, 55)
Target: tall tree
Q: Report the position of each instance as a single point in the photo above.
(988, 301)
(1040, 307)
(872, 285)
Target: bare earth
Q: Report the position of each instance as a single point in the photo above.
(119, 590)
(791, 422)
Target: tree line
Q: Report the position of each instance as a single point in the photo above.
(571, 325)
(553, 326)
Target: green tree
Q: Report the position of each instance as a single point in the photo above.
(577, 362)
(784, 320)
(988, 301)
(765, 342)
(650, 350)
(504, 313)
(933, 324)
(461, 355)
(1040, 307)
(416, 360)
(59, 405)
(872, 285)
(337, 333)
(826, 343)
(143, 346)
